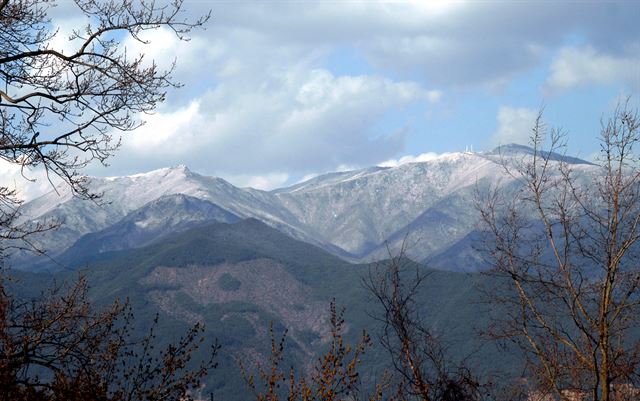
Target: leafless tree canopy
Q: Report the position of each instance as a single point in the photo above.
(567, 244)
(61, 347)
(421, 362)
(60, 109)
(334, 376)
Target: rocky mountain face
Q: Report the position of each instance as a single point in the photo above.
(355, 215)
(166, 215)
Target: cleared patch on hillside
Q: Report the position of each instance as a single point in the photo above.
(261, 282)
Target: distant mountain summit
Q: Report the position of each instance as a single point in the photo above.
(514, 149)
(352, 214)
(169, 214)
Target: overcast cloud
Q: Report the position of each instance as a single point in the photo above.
(514, 125)
(275, 91)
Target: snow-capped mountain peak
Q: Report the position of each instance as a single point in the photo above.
(514, 150)
(350, 213)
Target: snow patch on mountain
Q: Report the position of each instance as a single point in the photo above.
(350, 213)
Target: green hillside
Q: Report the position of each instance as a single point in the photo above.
(239, 277)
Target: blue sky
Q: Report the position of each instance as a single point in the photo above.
(275, 91)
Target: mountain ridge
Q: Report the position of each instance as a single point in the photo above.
(354, 214)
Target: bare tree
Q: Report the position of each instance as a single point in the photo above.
(12, 234)
(62, 109)
(60, 347)
(566, 244)
(425, 370)
(334, 377)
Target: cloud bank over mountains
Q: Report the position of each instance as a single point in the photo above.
(275, 91)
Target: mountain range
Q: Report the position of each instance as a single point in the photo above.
(356, 215)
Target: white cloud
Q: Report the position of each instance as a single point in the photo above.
(423, 157)
(163, 47)
(451, 42)
(262, 96)
(307, 177)
(514, 125)
(434, 96)
(28, 183)
(580, 66)
(446, 42)
(264, 182)
(65, 28)
(167, 133)
(300, 121)
(345, 167)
